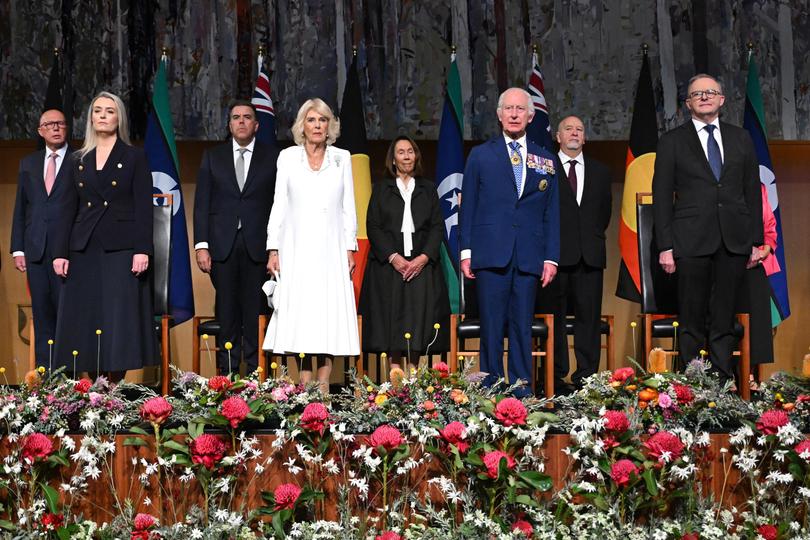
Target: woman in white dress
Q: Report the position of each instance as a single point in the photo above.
(311, 239)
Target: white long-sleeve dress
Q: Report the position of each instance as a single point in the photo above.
(313, 224)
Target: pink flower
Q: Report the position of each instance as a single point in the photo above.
(511, 411)
(768, 532)
(492, 461)
(36, 446)
(144, 521)
(770, 421)
(286, 495)
(82, 386)
(664, 400)
(234, 409)
(443, 369)
(803, 449)
(683, 394)
(622, 374)
(315, 418)
(281, 393)
(622, 470)
(664, 447)
(207, 450)
(454, 434)
(388, 535)
(219, 383)
(523, 526)
(156, 410)
(609, 442)
(616, 421)
(386, 436)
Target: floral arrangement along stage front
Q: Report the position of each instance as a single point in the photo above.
(429, 454)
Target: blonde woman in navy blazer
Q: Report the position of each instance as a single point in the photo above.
(103, 250)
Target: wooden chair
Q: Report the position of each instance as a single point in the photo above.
(606, 330)
(202, 325)
(162, 243)
(659, 298)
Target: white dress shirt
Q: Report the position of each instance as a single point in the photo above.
(235, 146)
(60, 158)
(580, 169)
(407, 228)
(703, 135)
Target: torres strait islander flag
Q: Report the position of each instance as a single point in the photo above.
(161, 153)
(353, 138)
(637, 179)
(754, 122)
(449, 173)
(264, 106)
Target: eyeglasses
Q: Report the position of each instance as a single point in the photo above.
(53, 125)
(704, 94)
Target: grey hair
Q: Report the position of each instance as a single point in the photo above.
(703, 76)
(90, 138)
(320, 106)
(530, 108)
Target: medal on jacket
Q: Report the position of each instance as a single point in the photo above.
(515, 158)
(542, 185)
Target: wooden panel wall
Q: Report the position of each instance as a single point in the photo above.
(794, 198)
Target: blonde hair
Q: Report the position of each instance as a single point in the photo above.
(90, 139)
(320, 106)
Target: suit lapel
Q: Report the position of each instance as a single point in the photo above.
(63, 171)
(498, 145)
(697, 149)
(38, 175)
(257, 156)
(227, 158)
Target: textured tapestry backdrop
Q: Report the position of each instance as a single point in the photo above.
(590, 53)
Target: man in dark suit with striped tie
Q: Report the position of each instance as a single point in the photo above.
(41, 188)
(708, 220)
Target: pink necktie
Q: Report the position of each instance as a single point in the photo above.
(50, 172)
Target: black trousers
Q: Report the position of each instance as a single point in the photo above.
(45, 286)
(239, 302)
(579, 292)
(707, 288)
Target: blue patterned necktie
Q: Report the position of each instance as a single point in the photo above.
(517, 163)
(713, 150)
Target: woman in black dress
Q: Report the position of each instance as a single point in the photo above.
(404, 290)
(103, 251)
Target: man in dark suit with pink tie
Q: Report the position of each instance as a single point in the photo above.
(509, 234)
(41, 187)
(708, 220)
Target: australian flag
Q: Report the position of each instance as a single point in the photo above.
(539, 131)
(264, 107)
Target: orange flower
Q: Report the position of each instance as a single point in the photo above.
(32, 379)
(459, 397)
(429, 406)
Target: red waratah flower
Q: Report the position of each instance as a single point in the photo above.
(622, 470)
(770, 421)
(454, 434)
(690, 536)
(386, 436)
(156, 410)
(523, 526)
(492, 462)
(83, 386)
(683, 393)
(314, 418)
(609, 442)
(219, 383)
(51, 522)
(388, 535)
(207, 449)
(510, 411)
(36, 446)
(144, 521)
(664, 447)
(443, 369)
(622, 374)
(286, 495)
(768, 532)
(803, 447)
(234, 409)
(616, 421)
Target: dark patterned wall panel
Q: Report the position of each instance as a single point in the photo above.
(590, 52)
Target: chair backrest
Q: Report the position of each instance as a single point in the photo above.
(467, 298)
(659, 290)
(162, 244)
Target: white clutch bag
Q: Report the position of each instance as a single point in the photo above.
(271, 288)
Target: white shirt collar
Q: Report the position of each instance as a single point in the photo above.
(564, 158)
(409, 188)
(237, 146)
(700, 124)
(59, 152)
(520, 140)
